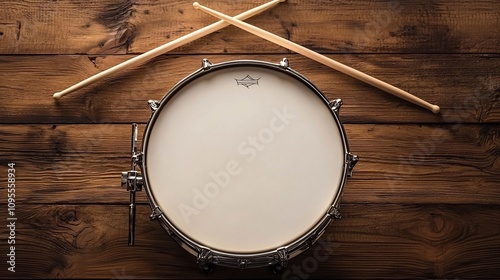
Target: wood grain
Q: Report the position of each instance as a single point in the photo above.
(435, 163)
(425, 241)
(107, 27)
(423, 201)
(446, 80)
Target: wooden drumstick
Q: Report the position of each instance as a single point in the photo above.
(321, 59)
(165, 48)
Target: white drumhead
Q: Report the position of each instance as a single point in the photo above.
(244, 159)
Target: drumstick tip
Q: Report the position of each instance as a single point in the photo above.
(196, 5)
(57, 95)
(435, 109)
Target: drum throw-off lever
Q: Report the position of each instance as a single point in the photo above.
(132, 181)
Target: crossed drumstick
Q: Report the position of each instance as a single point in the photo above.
(226, 20)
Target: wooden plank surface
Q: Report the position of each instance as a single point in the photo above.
(108, 27)
(82, 163)
(412, 241)
(467, 87)
(424, 199)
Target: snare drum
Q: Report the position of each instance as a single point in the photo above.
(244, 163)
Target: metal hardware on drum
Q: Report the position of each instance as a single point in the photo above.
(216, 190)
(133, 183)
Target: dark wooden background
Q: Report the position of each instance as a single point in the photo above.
(424, 201)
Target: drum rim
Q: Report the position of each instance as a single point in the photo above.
(295, 247)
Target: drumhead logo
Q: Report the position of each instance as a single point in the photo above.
(247, 82)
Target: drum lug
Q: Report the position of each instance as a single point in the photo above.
(284, 63)
(283, 256)
(334, 212)
(351, 162)
(336, 104)
(243, 263)
(204, 259)
(153, 105)
(156, 213)
(205, 64)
